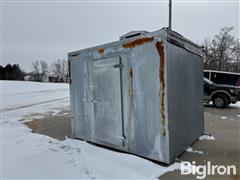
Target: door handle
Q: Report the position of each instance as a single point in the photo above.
(118, 66)
(95, 100)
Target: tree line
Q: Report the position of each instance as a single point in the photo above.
(11, 72)
(56, 71)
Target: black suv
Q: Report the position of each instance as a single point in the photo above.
(220, 94)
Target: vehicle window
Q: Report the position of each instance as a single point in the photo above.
(224, 78)
(206, 74)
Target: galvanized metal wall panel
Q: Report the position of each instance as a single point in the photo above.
(146, 139)
(80, 125)
(185, 94)
(161, 95)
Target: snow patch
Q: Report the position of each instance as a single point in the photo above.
(223, 117)
(237, 105)
(190, 149)
(31, 118)
(64, 114)
(207, 137)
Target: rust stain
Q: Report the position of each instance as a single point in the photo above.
(137, 42)
(130, 93)
(160, 50)
(130, 73)
(69, 72)
(101, 51)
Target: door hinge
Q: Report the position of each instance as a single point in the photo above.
(123, 138)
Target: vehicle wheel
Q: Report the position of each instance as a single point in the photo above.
(220, 101)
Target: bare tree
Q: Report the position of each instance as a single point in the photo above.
(222, 52)
(40, 69)
(44, 69)
(60, 69)
(208, 63)
(235, 66)
(36, 69)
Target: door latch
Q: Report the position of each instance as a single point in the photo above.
(118, 66)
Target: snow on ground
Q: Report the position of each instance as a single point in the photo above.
(17, 94)
(28, 155)
(207, 137)
(190, 149)
(237, 105)
(223, 117)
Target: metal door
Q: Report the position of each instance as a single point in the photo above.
(105, 87)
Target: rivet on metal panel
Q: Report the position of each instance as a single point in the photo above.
(101, 51)
(137, 42)
(160, 50)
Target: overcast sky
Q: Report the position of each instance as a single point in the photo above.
(49, 30)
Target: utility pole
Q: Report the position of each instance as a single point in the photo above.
(170, 15)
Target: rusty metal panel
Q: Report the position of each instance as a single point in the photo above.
(136, 94)
(146, 137)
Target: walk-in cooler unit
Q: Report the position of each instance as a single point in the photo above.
(142, 94)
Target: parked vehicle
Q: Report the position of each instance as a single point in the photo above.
(222, 77)
(220, 94)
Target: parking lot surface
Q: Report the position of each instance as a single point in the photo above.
(223, 124)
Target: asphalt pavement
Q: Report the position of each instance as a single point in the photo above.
(223, 124)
